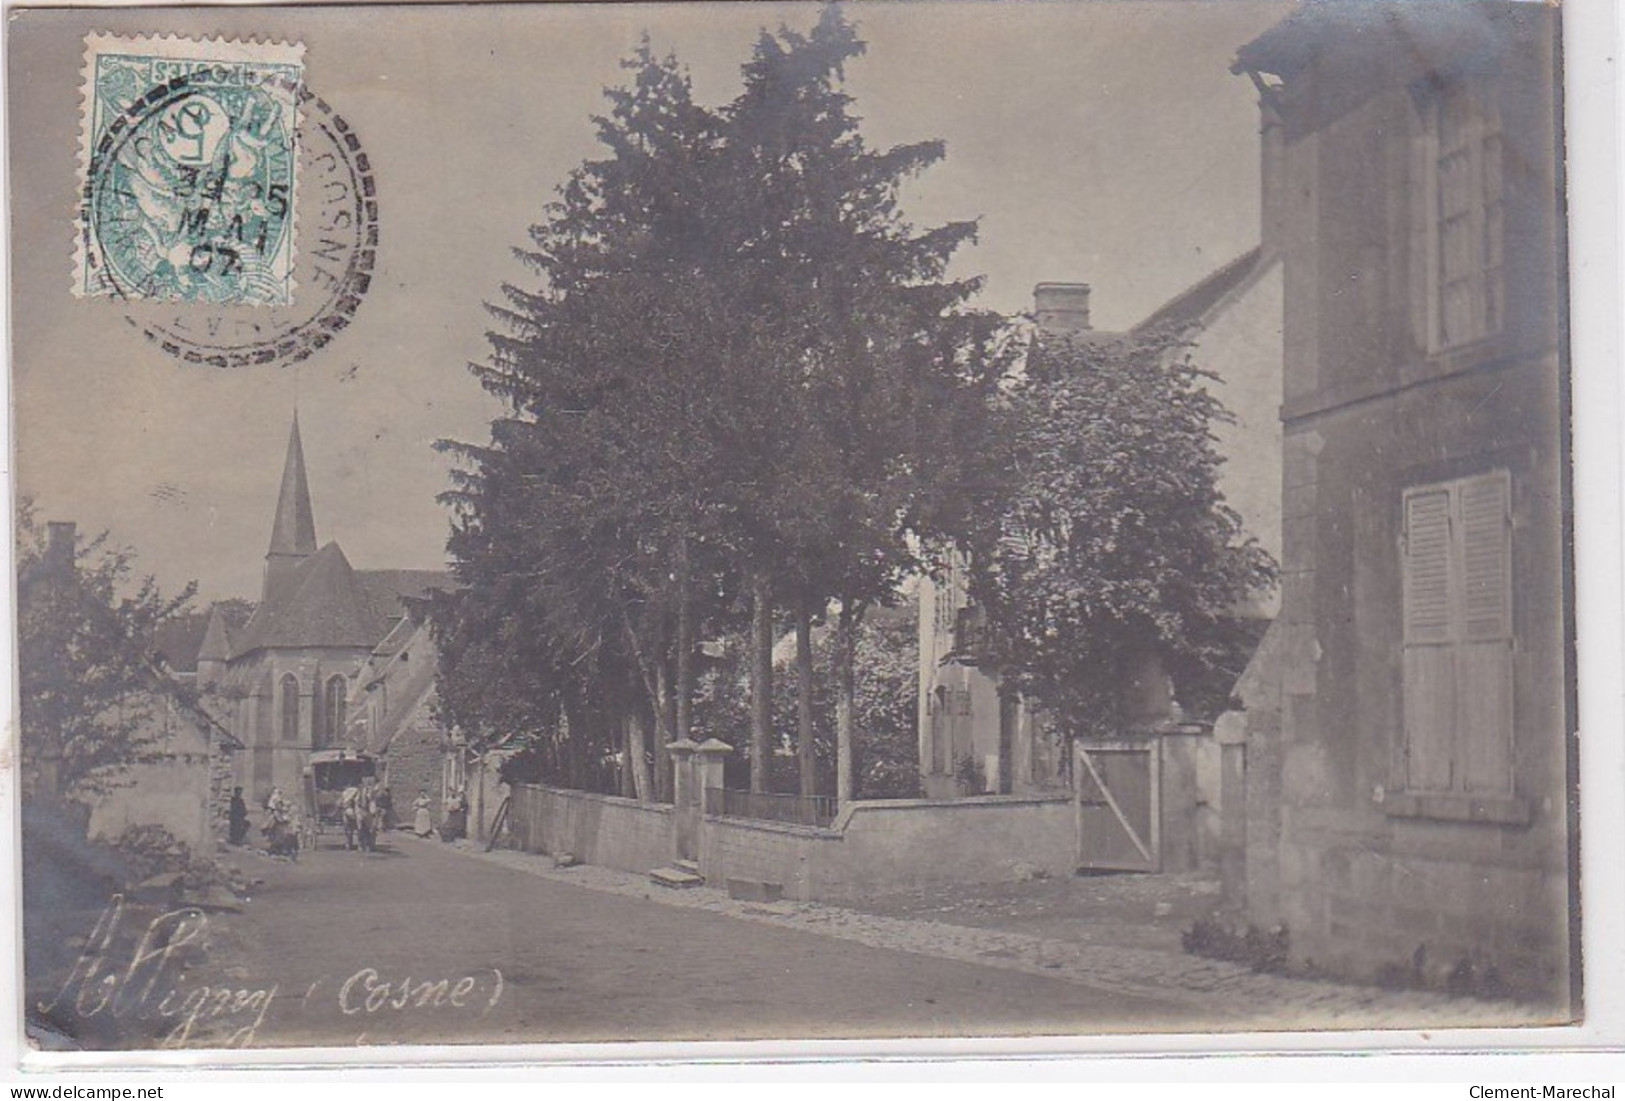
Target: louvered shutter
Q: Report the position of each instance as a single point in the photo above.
(1428, 566)
(1484, 660)
(1429, 625)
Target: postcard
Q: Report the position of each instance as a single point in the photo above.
(551, 524)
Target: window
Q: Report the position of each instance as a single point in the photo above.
(290, 708)
(333, 716)
(1457, 581)
(1461, 220)
(970, 633)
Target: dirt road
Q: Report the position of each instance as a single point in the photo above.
(418, 944)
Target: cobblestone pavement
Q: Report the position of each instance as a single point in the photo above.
(1248, 999)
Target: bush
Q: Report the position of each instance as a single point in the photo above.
(1263, 951)
(151, 850)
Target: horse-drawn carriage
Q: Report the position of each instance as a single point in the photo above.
(330, 773)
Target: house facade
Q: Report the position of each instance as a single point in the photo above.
(975, 738)
(1408, 729)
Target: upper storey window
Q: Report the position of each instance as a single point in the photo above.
(1461, 220)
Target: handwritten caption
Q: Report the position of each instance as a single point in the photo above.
(151, 983)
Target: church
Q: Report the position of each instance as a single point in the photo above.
(331, 656)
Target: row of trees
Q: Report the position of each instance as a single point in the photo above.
(745, 393)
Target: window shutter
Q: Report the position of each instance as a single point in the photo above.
(1429, 623)
(1484, 673)
(1486, 566)
(1427, 567)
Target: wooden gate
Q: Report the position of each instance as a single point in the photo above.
(1119, 806)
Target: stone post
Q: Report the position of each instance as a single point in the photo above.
(709, 758)
(1230, 731)
(686, 798)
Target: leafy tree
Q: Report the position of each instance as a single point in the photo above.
(719, 401)
(584, 524)
(862, 318)
(1100, 536)
(90, 677)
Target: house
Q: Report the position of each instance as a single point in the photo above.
(974, 738)
(289, 677)
(1408, 733)
(393, 717)
(178, 786)
(181, 755)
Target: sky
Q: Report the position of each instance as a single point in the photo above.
(1095, 141)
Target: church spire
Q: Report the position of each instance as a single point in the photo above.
(293, 535)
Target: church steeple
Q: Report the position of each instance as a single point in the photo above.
(293, 534)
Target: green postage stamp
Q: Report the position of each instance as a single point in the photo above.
(188, 170)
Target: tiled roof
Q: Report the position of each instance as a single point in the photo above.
(1191, 304)
(408, 685)
(387, 589)
(216, 645)
(178, 639)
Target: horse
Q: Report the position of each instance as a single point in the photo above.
(361, 821)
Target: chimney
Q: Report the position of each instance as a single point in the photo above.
(1062, 307)
(59, 546)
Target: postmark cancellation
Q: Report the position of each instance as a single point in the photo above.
(188, 170)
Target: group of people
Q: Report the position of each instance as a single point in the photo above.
(280, 828)
(365, 810)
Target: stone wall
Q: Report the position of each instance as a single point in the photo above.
(872, 847)
(896, 844)
(606, 830)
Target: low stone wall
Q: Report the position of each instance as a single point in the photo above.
(606, 830)
(896, 844)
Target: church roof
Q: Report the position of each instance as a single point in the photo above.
(294, 531)
(390, 587)
(324, 602)
(317, 604)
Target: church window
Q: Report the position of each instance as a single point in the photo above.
(290, 708)
(333, 711)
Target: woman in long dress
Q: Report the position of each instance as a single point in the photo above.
(422, 824)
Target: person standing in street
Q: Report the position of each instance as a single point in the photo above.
(422, 823)
(237, 818)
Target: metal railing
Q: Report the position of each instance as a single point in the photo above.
(800, 810)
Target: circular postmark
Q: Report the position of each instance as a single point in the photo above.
(223, 248)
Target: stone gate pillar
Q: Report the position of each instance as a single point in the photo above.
(686, 797)
(709, 757)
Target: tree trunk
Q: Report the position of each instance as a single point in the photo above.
(845, 691)
(637, 752)
(667, 704)
(626, 787)
(761, 681)
(656, 686)
(620, 735)
(685, 646)
(807, 760)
